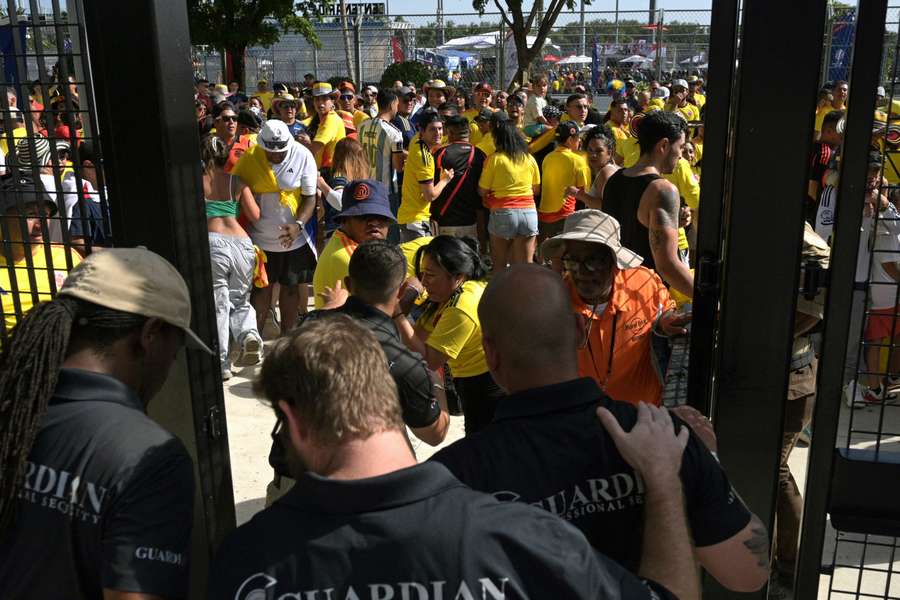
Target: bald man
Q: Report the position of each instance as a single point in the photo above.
(544, 448)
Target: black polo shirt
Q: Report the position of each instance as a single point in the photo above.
(462, 191)
(416, 533)
(547, 448)
(419, 405)
(107, 500)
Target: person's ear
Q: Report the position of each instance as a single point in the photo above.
(296, 430)
(150, 333)
(491, 355)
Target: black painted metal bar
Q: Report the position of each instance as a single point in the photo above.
(762, 246)
(867, 53)
(157, 198)
(716, 144)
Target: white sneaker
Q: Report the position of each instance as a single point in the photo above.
(226, 374)
(855, 394)
(251, 350)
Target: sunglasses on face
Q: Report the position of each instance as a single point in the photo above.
(590, 265)
(346, 96)
(276, 145)
(228, 118)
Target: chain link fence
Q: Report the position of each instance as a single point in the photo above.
(467, 47)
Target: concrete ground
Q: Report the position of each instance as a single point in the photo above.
(250, 422)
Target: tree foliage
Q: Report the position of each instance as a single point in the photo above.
(405, 71)
(235, 25)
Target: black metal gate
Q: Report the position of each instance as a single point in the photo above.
(747, 289)
(100, 111)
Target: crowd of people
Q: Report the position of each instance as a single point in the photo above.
(493, 255)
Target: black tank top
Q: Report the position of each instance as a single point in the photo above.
(621, 198)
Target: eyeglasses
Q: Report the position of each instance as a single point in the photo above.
(273, 145)
(228, 118)
(591, 265)
(346, 96)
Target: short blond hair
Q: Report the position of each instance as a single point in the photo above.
(335, 375)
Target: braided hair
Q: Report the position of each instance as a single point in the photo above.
(29, 370)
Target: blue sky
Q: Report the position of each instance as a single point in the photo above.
(401, 7)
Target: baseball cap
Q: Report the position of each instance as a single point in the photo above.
(591, 225)
(405, 91)
(275, 136)
(372, 88)
(551, 112)
(679, 83)
(136, 281)
(39, 157)
(484, 114)
(365, 197)
(347, 85)
(24, 190)
(879, 91)
(565, 130)
(483, 87)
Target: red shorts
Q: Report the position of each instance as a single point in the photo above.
(879, 323)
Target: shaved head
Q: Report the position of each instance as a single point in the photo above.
(526, 314)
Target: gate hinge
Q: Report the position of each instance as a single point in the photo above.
(708, 274)
(214, 427)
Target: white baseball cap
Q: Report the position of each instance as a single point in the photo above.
(275, 136)
(679, 83)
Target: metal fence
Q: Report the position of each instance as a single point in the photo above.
(468, 47)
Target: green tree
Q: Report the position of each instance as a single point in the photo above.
(232, 26)
(520, 24)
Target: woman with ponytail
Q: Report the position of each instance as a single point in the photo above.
(232, 256)
(448, 332)
(96, 499)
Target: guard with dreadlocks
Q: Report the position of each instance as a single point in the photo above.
(95, 498)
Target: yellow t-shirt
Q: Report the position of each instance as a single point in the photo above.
(266, 99)
(508, 179)
(42, 275)
(626, 145)
(329, 133)
(333, 265)
(541, 141)
(820, 116)
(419, 168)
(454, 330)
(688, 111)
(562, 168)
(486, 144)
(688, 185)
(358, 117)
(700, 99)
(18, 133)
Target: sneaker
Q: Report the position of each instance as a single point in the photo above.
(251, 350)
(855, 395)
(226, 374)
(879, 395)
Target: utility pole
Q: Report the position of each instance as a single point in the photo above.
(652, 17)
(583, 36)
(617, 25)
(440, 23)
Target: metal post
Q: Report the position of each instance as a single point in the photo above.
(829, 33)
(440, 23)
(316, 61)
(652, 14)
(713, 187)
(659, 44)
(357, 45)
(754, 344)
(501, 57)
(583, 40)
(870, 26)
(155, 32)
(617, 25)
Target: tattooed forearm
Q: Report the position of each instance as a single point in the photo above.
(758, 542)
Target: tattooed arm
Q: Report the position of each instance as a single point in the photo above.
(663, 232)
(740, 563)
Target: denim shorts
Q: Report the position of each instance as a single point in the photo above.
(508, 223)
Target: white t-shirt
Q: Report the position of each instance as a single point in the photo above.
(273, 214)
(380, 140)
(885, 249)
(825, 214)
(534, 108)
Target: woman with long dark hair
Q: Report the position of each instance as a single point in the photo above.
(510, 180)
(232, 255)
(350, 163)
(448, 331)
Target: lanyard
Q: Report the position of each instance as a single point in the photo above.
(612, 345)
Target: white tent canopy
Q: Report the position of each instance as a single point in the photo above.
(484, 41)
(636, 59)
(575, 60)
